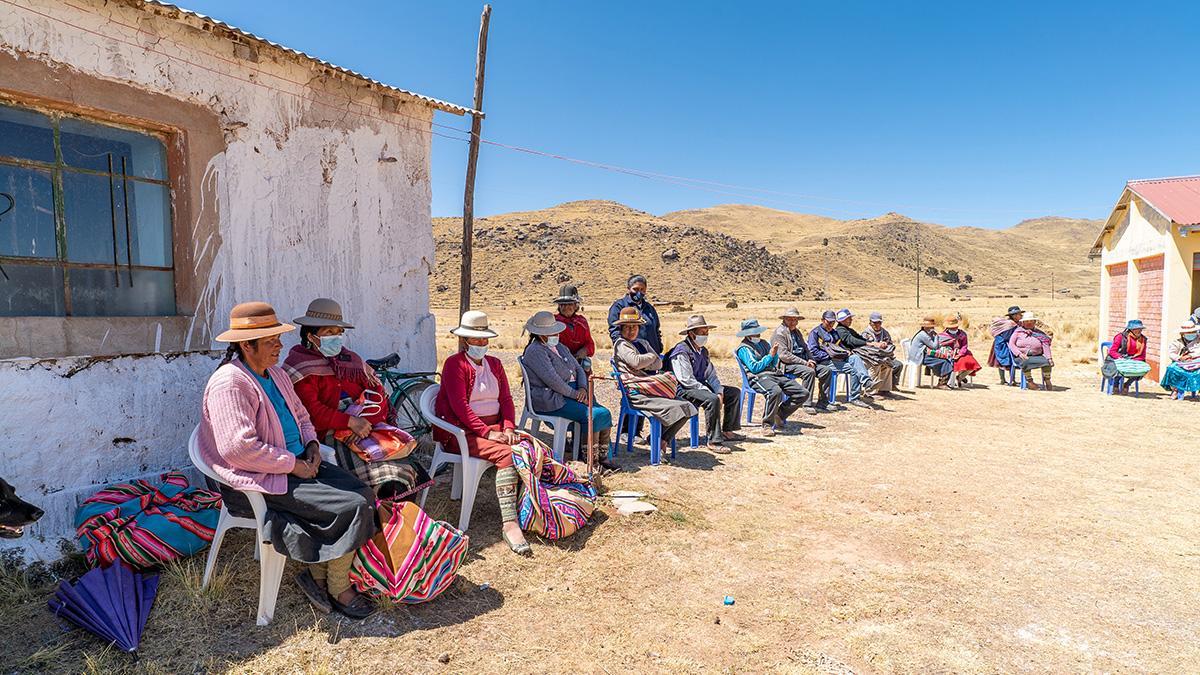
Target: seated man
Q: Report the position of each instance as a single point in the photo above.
(826, 347)
(699, 385)
(875, 332)
(797, 362)
(761, 364)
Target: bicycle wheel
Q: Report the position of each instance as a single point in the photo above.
(405, 402)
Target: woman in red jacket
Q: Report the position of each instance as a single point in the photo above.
(578, 335)
(334, 382)
(475, 398)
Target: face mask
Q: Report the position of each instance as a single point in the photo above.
(331, 345)
(1189, 336)
(755, 338)
(477, 352)
(700, 340)
(552, 341)
(637, 296)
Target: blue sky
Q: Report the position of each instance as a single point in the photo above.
(959, 113)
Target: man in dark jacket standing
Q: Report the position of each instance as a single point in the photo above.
(651, 330)
(798, 362)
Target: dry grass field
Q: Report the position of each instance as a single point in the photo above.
(989, 530)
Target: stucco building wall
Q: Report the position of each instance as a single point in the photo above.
(289, 185)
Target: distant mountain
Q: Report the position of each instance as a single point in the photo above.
(750, 253)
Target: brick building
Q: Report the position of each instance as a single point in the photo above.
(1150, 258)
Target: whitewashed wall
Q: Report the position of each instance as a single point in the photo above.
(311, 203)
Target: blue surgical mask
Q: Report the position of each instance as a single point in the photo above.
(1189, 336)
(700, 340)
(552, 341)
(477, 352)
(331, 345)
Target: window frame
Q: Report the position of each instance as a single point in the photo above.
(57, 170)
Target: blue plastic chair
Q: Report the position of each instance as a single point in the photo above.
(627, 421)
(748, 392)
(1110, 384)
(833, 380)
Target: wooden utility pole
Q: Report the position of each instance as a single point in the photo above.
(464, 284)
(917, 230)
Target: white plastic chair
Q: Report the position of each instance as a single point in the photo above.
(271, 562)
(468, 470)
(560, 425)
(912, 369)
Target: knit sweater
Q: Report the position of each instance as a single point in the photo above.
(453, 402)
(241, 437)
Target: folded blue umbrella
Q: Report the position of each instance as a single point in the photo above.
(112, 602)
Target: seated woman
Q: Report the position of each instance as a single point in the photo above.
(650, 391)
(761, 364)
(256, 435)
(1183, 372)
(1126, 357)
(1002, 329)
(475, 398)
(1030, 346)
(923, 348)
(333, 382)
(558, 383)
(577, 337)
(965, 364)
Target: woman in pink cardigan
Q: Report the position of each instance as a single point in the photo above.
(257, 436)
(1030, 347)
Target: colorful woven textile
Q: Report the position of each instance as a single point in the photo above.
(412, 559)
(146, 524)
(1131, 367)
(554, 503)
(658, 385)
(383, 443)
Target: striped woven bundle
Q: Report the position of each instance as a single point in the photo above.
(144, 524)
(554, 503)
(412, 559)
(659, 385)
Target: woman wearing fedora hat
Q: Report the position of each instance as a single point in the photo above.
(1183, 373)
(256, 435)
(965, 363)
(700, 386)
(1030, 347)
(332, 381)
(558, 383)
(650, 391)
(1126, 357)
(761, 363)
(474, 397)
(1000, 357)
(922, 348)
(577, 334)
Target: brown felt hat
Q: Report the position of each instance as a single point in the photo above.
(251, 321)
(791, 313)
(629, 315)
(929, 322)
(951, 323)
(695, 322)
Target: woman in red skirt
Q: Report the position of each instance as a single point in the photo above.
(965, 364)
(475, 398)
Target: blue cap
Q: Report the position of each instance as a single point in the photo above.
(844, 314)
(828, 315)
(1134, 323)
(751, 327)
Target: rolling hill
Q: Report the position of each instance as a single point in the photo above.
(754, 253)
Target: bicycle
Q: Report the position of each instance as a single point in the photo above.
(404, 393)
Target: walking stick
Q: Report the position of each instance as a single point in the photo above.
(591, 388)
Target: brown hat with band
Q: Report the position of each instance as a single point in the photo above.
(695, 322)
(251, 321)
(929, 322)
(629, 316)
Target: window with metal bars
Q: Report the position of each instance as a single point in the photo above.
(85, 218)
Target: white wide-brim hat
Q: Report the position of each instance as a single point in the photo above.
(474, 324)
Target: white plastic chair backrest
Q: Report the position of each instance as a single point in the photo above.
(525, 383)
(426, 404)
(197, 460)
(905, 345)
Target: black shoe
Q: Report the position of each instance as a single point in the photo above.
(315, 594)
(358, 609)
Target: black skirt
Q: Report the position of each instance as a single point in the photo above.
(318, 519)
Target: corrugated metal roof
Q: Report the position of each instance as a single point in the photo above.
(180, 14)
(1175, 198)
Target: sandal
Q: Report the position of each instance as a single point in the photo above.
(315, 594)
(522, 549)
(358, 609)
(607, 467)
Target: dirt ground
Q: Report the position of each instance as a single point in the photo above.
(968, 531)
